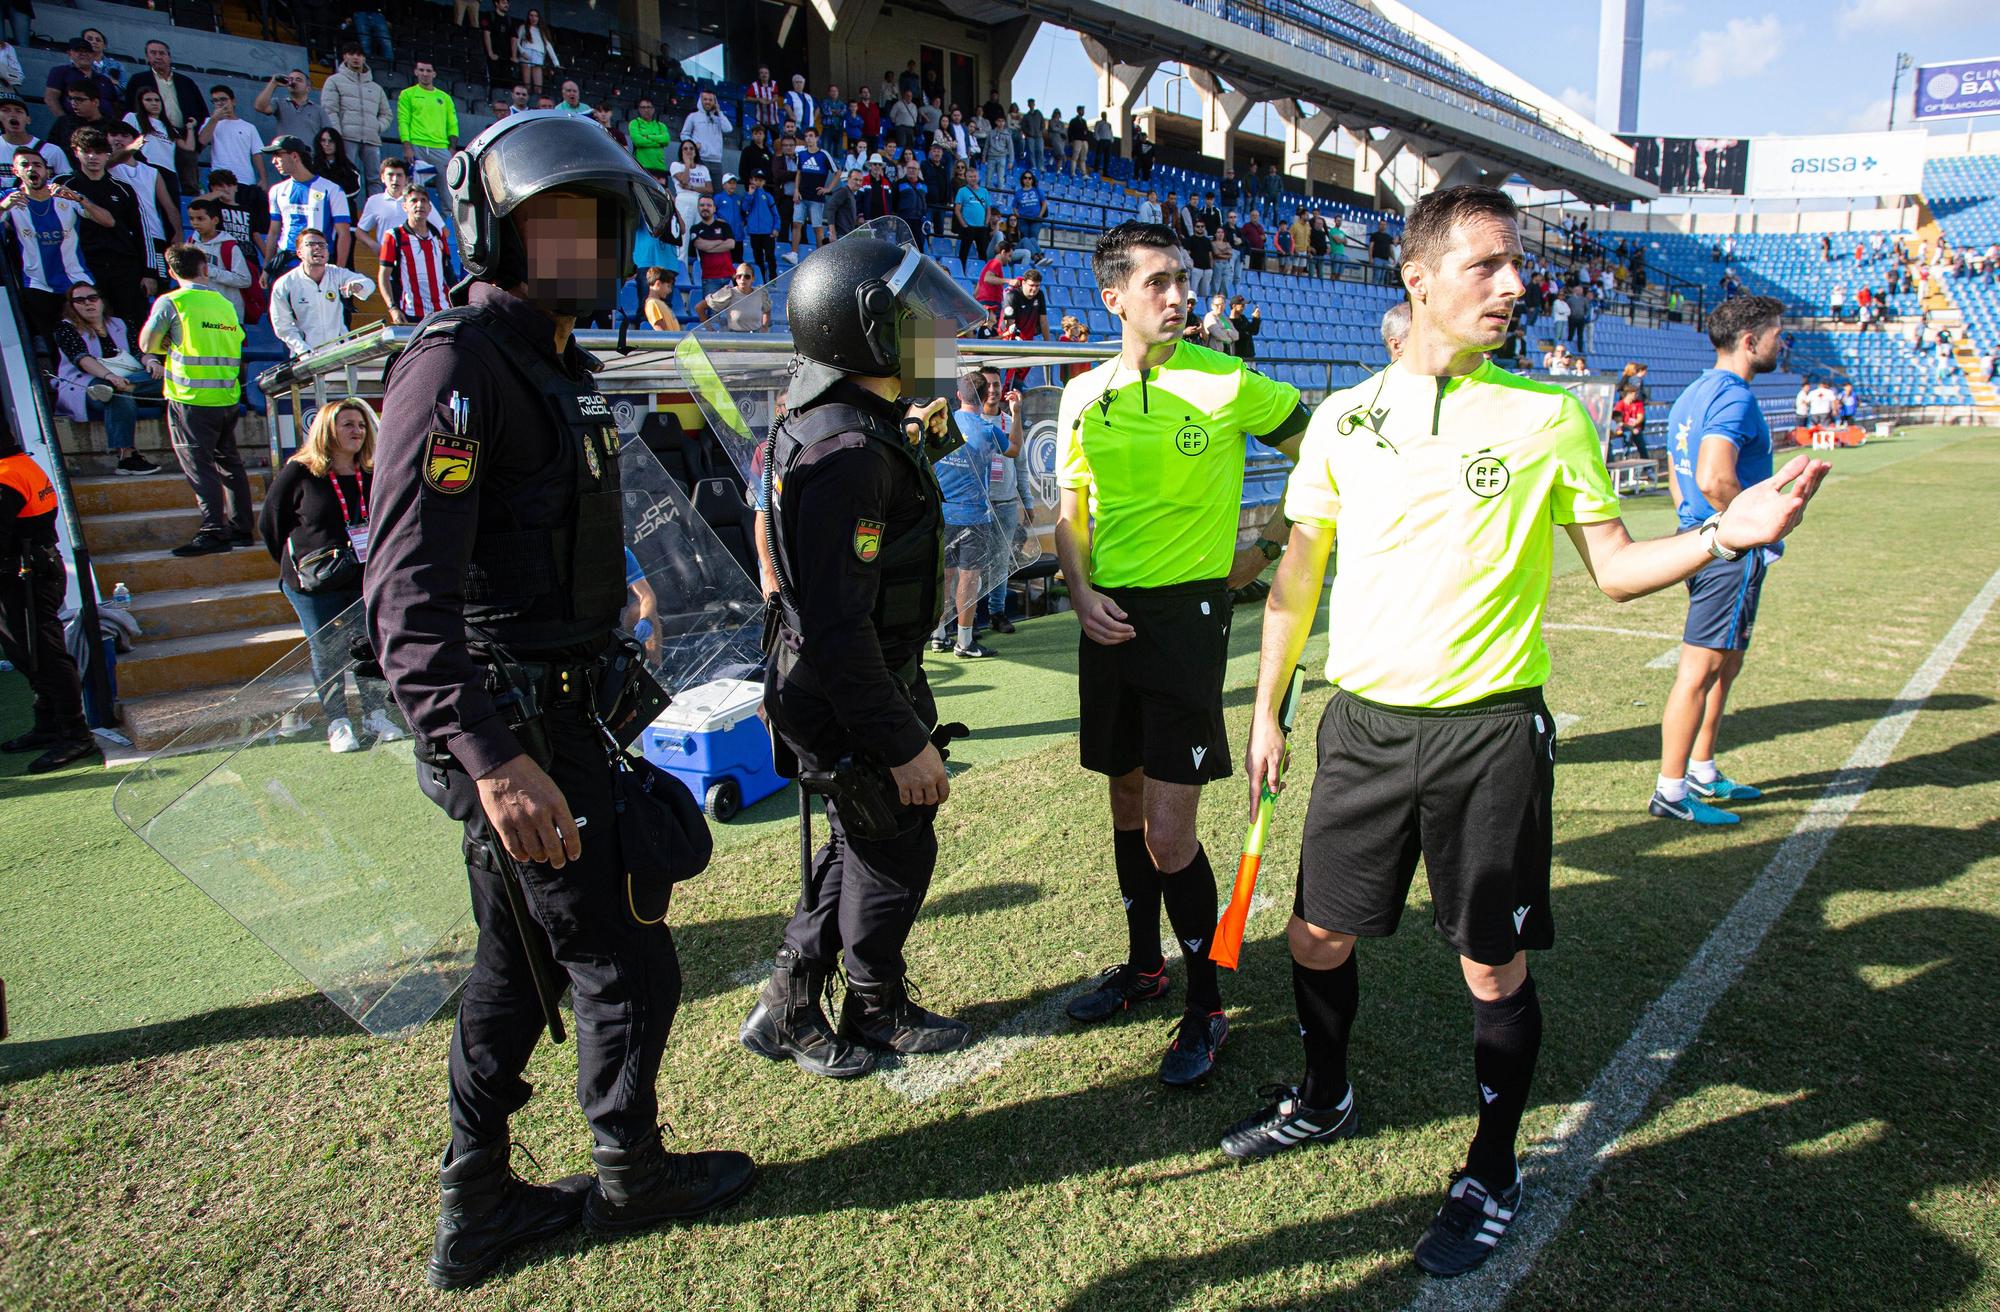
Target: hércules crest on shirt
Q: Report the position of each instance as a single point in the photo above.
(867, 540)
(450, 462)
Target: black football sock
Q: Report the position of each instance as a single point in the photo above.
(1190, 898)
(1327, 1001)
(1506, 1036)
(1139, 887)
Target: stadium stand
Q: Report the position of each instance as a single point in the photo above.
(1964, 197)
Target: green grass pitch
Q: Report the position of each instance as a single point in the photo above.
(184, 1124)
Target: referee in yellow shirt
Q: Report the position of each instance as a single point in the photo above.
(1441, 480)
(1149, 456)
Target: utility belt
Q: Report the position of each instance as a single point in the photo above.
(860, 784)
(613, 690)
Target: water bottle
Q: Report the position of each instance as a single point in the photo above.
(121, 595)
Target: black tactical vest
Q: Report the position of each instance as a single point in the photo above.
(911, 589)
(548, 564)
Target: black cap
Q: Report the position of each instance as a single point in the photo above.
(292, 144)
(77, 43)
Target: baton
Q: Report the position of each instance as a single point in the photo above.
(1227, 943)
(538, 966)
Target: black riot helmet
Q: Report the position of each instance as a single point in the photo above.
(874, 304)
(524, 155)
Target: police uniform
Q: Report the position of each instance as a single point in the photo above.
(32, 584)
(856, 540)
(497, 569)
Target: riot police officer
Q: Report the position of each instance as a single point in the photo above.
(854, 536)
(493, 587)
(32, 584)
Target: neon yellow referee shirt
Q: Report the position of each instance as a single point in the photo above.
(1162, 456)
(1444, 494)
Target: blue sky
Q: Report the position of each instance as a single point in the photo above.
(1768, 67)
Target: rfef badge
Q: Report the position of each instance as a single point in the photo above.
(450, 462)
(867, 540)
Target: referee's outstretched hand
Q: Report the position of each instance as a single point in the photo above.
(1767, 511)
(1103, 622)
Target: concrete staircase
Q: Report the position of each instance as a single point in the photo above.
(208, 624)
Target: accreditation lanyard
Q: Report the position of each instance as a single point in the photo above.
(357, 531)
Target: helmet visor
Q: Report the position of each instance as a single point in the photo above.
(925, 290)
(550, 151)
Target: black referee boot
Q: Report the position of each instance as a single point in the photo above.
(787, 1022)
(487, 1212)
(647, 1186)
(888, 1019)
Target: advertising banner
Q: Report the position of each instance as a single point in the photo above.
(1842, 164)
(1959, 89)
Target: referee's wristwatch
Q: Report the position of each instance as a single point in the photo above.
(1272, 549)
(1710, 540)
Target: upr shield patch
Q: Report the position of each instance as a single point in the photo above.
(450, 462)
(867, 540)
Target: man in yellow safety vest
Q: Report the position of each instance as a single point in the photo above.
(197, 330)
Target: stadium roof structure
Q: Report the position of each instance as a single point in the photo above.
(1366, 66)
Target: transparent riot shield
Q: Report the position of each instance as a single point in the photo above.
(335, 860)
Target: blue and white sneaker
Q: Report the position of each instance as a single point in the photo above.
(1690, 809)
(1723, 789)
(1465, 1230)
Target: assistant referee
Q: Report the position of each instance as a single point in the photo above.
(1149, 456)
(1441, 479)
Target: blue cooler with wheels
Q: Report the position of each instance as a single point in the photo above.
(711, 740)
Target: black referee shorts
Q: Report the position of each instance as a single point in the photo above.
(1155, 700)
(1466, 787)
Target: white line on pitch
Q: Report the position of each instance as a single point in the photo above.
(1558, 1169)
(1666, 660)
(920, 1079)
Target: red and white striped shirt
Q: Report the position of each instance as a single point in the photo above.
(418, 272)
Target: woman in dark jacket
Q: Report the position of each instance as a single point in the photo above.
(318, 504)
(330, 162)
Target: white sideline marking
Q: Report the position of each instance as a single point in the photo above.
(1567, 719)
(1558, 1169)
(1666, 660)
(920, 1079)
(1622, 633)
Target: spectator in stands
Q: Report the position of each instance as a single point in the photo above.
(1556, 360)
(99, 378)
(997, 155)
(534, 52)
(159, 212)
(744, 306)
(650, 138)
(1321, 237)
(1381, 247)
(229, 266)
(765, 100)
(704, 126)
(1201, 265)
(1849, 405)
(1836, 301)
(115, 251)
(1149, 208)
(841, 201)
(1024, 315)
(691, 179)
(814, 170)
(658, 307)
(232, 143)
(1217, 332)
(1247, 323)
(870, 111)
(875, 197)
(1252, 242)
(384, 212)
(930, 115)
(1207, 215)
(358, 109)
(940, 186)
(729, 208)
(913, 205)
(85, 111)
(417, 269)
(1034, 136)
(964, 478)
(1395, 329)
(760, 226)
(332, 162)
(427, 120)
(297, 113)
(903, 120)
(181, 104)
(972, 212)
(569, 99)
(44, 219)
(1629, 413)
(1103, 144)
(14, 135)
(157, 141)
(308, 304)
(1300, 233)
(316, 510)
(1801, 402)
(601, 115)
(713, 243)
(496, 40)
(79, 71)
(196, 330)
(990, 288)
(101, 61)
(959, 141)
(1078, 136)
(1576, 297)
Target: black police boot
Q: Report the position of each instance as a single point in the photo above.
(67, 751)
(32, 741)
(787, 1022)
(647, 1185)
(487, 1212)
(889, 1020)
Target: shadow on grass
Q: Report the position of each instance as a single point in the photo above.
(309, 1016)
(1754, 724)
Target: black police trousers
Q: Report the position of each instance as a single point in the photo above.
(864, 896)
(31, 636)
(624, 977)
